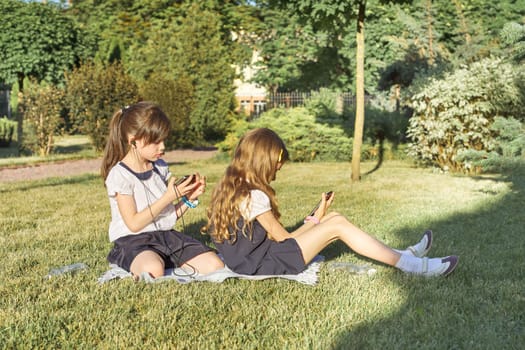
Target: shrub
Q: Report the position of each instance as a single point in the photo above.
(41, 107)
(508, 152)
(94, 92)
(305, 138)
(176, 98)
(7, 130)
(455, 113)
(324, 104)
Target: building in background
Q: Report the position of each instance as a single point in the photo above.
(251, 97)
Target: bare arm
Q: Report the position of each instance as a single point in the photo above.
(277, 232)
(136, 221)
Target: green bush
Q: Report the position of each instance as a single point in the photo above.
(176, 98)
(325, 104)
(455, 113)
(305, 138)
(7, 130)
(41, 107)
(94, 92)
(508, 152)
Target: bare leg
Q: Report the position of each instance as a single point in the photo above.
(204, 263)
(335, 226)
(147, 261)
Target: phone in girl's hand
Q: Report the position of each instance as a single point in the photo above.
(184, 178)
(327, 197)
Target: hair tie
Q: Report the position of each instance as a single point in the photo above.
(124, 109)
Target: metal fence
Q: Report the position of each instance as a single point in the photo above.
(297, 99)
(255, 105)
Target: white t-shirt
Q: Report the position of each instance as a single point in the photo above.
(260, 203)
(145, 190)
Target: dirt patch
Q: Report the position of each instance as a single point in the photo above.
(87, 166)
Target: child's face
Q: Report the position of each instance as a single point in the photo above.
(151, 151)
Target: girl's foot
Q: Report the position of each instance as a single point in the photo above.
(427, 267)
(421, 248)
(444, 268)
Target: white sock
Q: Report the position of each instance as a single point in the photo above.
(411, 264)
(404, 252)
(418, 247)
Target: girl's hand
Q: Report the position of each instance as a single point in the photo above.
(192, 187)
(326, 202)
(199, 187)
(183, 188)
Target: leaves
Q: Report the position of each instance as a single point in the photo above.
(37, 41)
(455, 113)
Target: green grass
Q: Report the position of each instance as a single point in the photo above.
(66, 148)
(54, 222)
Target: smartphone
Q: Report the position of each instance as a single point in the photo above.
(327, 196)
(184, 178)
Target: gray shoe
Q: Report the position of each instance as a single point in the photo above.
(421, 249)
(447, 266)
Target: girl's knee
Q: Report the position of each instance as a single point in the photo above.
(335, 217)
(206, 263)
(149, 262)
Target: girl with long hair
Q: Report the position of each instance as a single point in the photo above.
(243, 221)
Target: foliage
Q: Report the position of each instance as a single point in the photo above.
(325, 104)
(513, 36)
(94, 93)
(306, 138)
(295, 58)
(384, 125)
(176, 98)
(401, 38)
(122, 28)
(7, 129)
(508, 152)
(42, 108)
(449, 118)
(202, 57)
(36, 40)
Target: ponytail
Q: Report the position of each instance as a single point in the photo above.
(116, 144)
(142, 120)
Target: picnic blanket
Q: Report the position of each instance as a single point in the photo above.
(308, 276)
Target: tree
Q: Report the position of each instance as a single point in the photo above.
(334, 17)
(176, 98)
(36, 41)
(294, 57)
(42, 107)
(94, 92)
(282, 47)
(203, 58)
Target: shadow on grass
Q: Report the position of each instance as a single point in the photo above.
(480, 306)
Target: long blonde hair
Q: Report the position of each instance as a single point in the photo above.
(143, 120)
(253, 166)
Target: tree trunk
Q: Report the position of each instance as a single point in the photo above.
(360, 93)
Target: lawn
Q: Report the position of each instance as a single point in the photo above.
(65, 148)
(55, 222)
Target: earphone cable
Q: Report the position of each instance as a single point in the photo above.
(174, 256)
